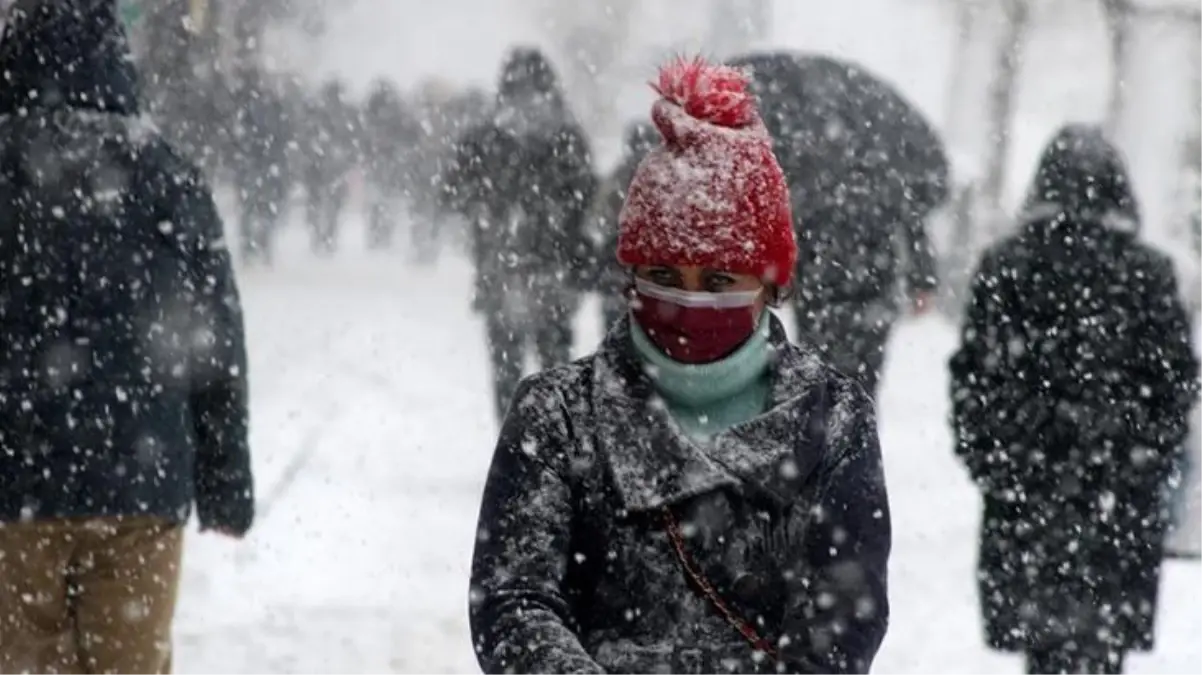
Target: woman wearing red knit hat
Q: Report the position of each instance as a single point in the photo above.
(699, 495)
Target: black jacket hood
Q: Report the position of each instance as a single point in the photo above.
(70, 53)
(1083, 175)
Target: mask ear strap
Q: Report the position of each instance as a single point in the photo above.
(777, 296)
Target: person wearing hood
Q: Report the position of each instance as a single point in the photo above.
(524, 180)
(699, 495)
(123, 390)
(609, 279)
(1070, 394)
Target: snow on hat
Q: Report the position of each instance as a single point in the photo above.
(712, 194)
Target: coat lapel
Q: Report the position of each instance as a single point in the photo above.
(651, 463)
(774, 453)
(654, 464)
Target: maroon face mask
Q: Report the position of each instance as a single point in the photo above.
(693, 327)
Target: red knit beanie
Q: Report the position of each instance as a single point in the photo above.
(713, 194)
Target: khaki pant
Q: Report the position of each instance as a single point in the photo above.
(88, 595)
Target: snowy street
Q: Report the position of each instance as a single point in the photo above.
(372, 433)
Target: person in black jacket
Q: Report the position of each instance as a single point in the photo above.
(699, 495)
(1070, 392)
(123, 392)
(261, 171)
(330, 146)
(391, 136)
(524, 180)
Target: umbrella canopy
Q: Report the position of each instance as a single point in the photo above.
(843, 134)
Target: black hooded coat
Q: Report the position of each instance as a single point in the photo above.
(1071, 391)
(122, 366)
(264, 134)
(391, 134)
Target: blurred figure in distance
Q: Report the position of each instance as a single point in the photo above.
(524, 180)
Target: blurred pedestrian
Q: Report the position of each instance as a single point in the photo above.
(331, 153)
(524, 178)
(261, 170)
(1070, 394)
(390, 135)
(123, 391)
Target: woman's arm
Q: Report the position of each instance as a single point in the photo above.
(521, 621)
(838, 607)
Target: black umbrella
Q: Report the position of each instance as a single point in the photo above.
(844, 136)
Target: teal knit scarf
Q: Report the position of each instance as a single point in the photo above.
(706, 399)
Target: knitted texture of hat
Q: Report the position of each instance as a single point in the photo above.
(712, 194)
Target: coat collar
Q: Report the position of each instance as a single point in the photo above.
(653, 463)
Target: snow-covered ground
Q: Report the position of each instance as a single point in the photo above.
(372, 433)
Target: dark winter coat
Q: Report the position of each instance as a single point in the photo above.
(264, 136)
(786, 515)
(1070, 394)
(390, 134)
(525, 180)
(331, 142)
(122, 360)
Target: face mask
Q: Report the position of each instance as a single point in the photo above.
(693, 327)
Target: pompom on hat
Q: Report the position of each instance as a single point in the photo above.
(712, 194)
